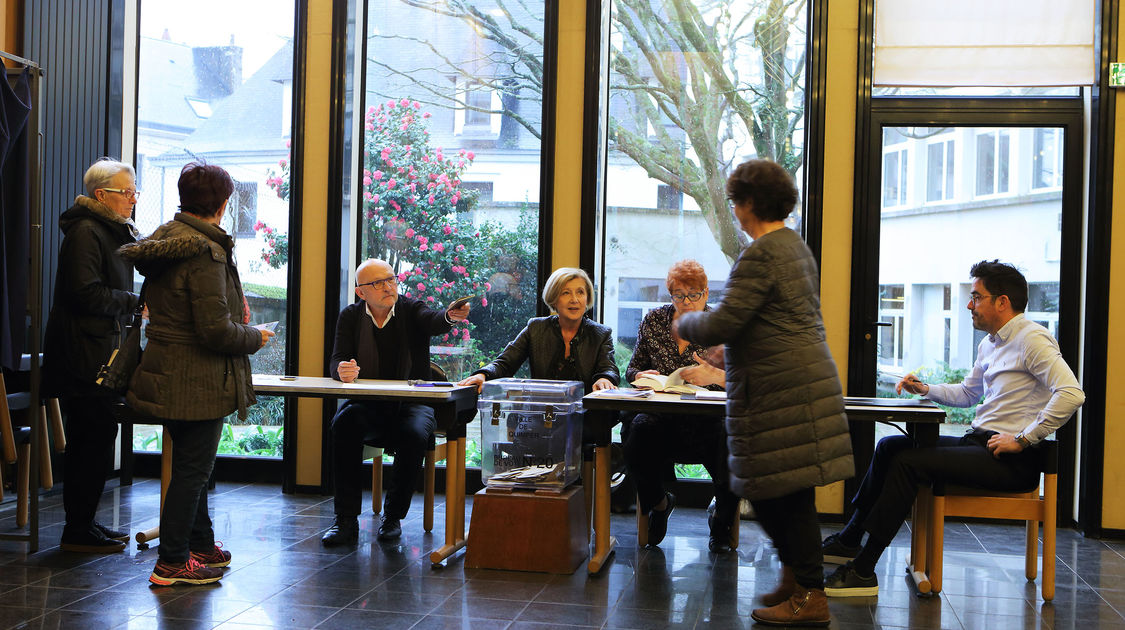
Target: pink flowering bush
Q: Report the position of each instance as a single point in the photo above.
(275, 252)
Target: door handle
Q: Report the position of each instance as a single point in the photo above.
(867, 336)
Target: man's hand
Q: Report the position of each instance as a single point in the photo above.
(1003, 443)
(476, 380)
(913, 385)
(603, 383)
(265, 337)
(459, 314)
(646, 372)
(348, 370)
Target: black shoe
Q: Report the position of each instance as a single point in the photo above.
(836, 552)
(390, 529)
(344, 531)
(89, 541)
(658, 520)
(719, 540)
(111, 534)
(845, 582)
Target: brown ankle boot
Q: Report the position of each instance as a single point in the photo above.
(806, 607)
(784, 590)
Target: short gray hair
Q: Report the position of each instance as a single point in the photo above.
(100, 172)
(558, 280)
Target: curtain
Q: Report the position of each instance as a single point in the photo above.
(1011, 43)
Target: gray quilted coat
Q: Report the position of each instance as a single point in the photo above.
(786, 426)
(196, 364)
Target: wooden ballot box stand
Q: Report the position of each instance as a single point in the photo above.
(525, 530)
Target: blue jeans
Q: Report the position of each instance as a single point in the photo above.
(185, 525)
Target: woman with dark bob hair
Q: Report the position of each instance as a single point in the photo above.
(786, 428)
(652, 441)
(195, 369)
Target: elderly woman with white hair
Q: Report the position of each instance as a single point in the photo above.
(92, 303)
(566, 345)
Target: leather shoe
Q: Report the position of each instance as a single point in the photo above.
(89, 541)
(111, 534)
(344, 531)
(658, 520)
(390, 529)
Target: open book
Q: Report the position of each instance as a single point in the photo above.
(673, 383)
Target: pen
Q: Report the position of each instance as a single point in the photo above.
(432, 384)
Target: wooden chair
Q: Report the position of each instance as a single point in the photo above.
(435, 453)
(1033, 507)
(642, 520)
(15, 444)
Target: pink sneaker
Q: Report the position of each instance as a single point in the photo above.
(213, 559)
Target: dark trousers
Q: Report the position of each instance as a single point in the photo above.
(887, 492)
(91, 432)
(655, 440)
(404, 427)
(791, 523)
(184, 523)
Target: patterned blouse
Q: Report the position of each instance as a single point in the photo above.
(656, 348)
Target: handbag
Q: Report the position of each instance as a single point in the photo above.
(118, 369)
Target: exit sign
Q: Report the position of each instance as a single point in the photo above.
(1117, 74)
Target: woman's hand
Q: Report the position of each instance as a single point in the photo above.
(603, 383)
(644, 372)
(265, 336)
(477, 380)
(704, 373)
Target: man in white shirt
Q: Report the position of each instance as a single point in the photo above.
(1029, 392)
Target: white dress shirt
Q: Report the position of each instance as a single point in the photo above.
(1027, 386)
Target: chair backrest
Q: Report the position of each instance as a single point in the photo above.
(436, 373)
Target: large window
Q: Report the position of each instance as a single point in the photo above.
(993, 162)
(451, 164)
(683, 111)
(215, 83)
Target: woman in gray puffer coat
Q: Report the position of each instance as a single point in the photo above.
(195, 369)
(786, 428)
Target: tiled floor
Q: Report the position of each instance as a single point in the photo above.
(281, 577)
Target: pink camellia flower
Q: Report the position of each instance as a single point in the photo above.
(470, 155)
(404, 103)
(369, 127)
(438, 289)
(402, 276)
(425, 114)
(377, 175)
(375, 198)
(445, 337)
(416, 105)
(390, 235)
(446, 229)
(423, 247)
(367, 195)
(409, 232)
(456, 198)
(366, 180)
(439, 248)
(465, 334)
(390, 104)
(287, 143)
(484, 301)
(281, 163)
(395, 205)
(423, 240)
(370, 215)
(258, 225)
(371, 109)
(460, 248)
(421, 287)
(391, 183)
(487, 286)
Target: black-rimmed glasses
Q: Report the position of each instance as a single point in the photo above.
(977, 297)
(690, 297)
(380, 283)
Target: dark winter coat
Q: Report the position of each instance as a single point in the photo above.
(785, 410)
(413, 324)
(541, 343)
(196, 364)
(92, 299)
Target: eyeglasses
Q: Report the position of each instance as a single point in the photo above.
(380, 283)
(977, 297)
(690, 297)
(131, 194)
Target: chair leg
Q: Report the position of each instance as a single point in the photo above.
(2, 465)
(1050, 506)
(642, 526)
(376, 484)
(428, 485)
(935, 542)
(1031, 551)
(734, 527)
(588, 492)
(920, 526)
(23, 483)
(46, 476)
(57, 431)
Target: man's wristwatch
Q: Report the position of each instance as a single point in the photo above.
(1022, 441)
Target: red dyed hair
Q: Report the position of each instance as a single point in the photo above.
(688, 273)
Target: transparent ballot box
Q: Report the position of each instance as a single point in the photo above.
(531, 433)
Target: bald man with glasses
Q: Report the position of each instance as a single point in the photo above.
(383, 336)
